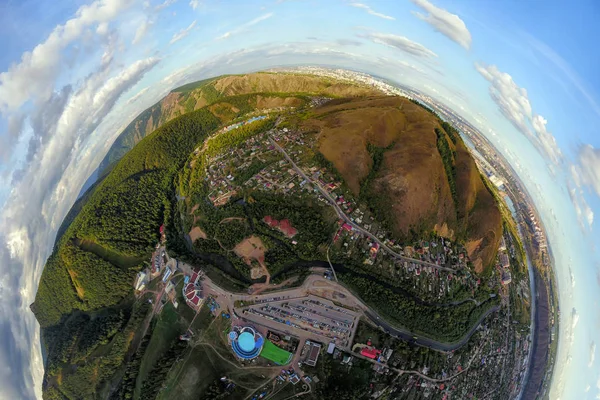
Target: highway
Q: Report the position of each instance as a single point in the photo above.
(348, 220)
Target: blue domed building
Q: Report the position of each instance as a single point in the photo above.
(246, 342)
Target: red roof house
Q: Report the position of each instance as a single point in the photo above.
(371, 353)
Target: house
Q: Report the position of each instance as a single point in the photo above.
(169, 287)
(192, 292)
(387, 354)
(506, 277)
(313, 354)
(163, 236)
(370, 352)
(167, 275)
(141, 281)
(374, 249)
(502, 245)
(504, 260)
(331, 348)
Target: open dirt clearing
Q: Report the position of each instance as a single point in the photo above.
(252, 248)
(197, 233)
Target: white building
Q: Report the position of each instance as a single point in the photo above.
(141, 280)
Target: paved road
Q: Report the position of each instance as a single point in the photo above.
(348, 220)
(318, 283)
(423, 341)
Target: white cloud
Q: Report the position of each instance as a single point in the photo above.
(589, 167)
(371, 11)
(182, 33)
(165, 4)
(444, 22)
(244, 27)
(400, 43)
(584, 213)
(592, 354)
(194, 4)
(572, 278)
(585, 174)
(546, 139)
(348, 42)
(514, 104)
(141, 31)
(34, 76)
(138, 95)
(38, 202)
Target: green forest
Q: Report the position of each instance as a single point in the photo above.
(448, 158)
(121, 218)
(94, 331)
(123, 215)
(440, 323)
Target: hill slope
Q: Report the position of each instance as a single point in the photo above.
(412, 169)
(111, 233)
(196, 95)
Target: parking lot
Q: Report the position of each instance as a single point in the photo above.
(309, 316)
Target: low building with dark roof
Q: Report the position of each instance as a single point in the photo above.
(313, 354)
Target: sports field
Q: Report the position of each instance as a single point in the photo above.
(275, 354)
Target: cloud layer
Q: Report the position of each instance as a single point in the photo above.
(182, 33)
(589, 161)
(371, 11)
(65, 130)
(444, 22)
(401, 43)
(513, 103)
(34, 76)
(245, 27)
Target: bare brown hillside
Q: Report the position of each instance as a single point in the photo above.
(288, 83)
(411, 184)
(197, 95)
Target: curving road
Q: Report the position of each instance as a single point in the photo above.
(423, 341)
(348, 220)
(351, 299)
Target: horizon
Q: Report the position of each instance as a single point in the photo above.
(68, 89)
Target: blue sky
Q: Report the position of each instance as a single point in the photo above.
(74, 73)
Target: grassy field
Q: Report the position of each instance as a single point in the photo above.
(210, 359)
(109, 255)
(168, 327)
(275, 354)
(286, 390)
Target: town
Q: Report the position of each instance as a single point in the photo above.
(319, 320)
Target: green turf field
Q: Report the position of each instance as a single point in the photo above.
(275, 354)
